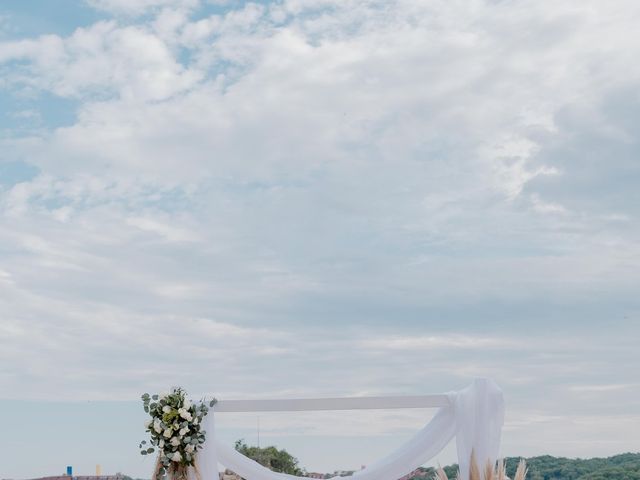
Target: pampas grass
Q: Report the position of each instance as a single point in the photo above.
(521, 471)
(501, 472)
(440, 474)
(490, 472)
(175, 471)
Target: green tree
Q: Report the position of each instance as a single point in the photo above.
(272, 458)
(619, 467)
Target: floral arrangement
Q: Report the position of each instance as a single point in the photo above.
(175, 430)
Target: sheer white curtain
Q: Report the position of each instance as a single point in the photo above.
(474, 417)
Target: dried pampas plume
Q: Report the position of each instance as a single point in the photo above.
(521, 471)
(502, 470)
(474, 469)
(175, 472)
(440, 474)
(498, 472)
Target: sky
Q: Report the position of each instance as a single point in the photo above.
(308, 198)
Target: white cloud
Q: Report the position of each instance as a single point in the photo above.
(97, 61)
(407, 343)
(387, 128)
(546, 207)
(138, 7)
(163, 229)
(603, 388)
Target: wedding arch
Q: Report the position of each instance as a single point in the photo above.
(473, 415)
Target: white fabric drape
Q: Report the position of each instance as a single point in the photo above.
(479, 418)
(474, 416)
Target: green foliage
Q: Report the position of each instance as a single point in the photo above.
(619, 467)
(272, 458)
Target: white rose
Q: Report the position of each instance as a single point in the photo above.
(168, 432)
(166, 409)
(176, 457)
(185, 414)
(156, 426)
(161, 443)
(196, 421)
(175, 441)
(186, 404)
(183, 431)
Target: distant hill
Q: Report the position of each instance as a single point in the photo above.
(619, 467)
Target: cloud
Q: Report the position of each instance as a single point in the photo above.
(329, 152)
(546, 207)
(405, 343)
(139, 7)
(100, 60)
(602, 388)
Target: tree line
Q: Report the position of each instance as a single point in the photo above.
(619, 467)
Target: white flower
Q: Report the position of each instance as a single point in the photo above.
(176, 457)
(161, 443)
(183, 431)
(175, 441)
(168, 432)
(189, 448)
(147, 424)
(185, 414)
(157, 426)
(186, 404)
(166, 409)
